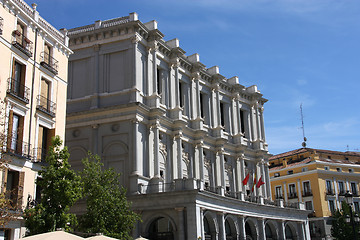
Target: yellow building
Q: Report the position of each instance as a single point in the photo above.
(33, 85)
(320, 179)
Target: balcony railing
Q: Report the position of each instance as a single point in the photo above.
(342, 193)
(279, 196)
(307, 193)
(39, 154)
(292, 195)
(49, 62)
(22, 43)
(46, 106)
(1, 25)
(18, 90)
(17, 147)
(330, 192)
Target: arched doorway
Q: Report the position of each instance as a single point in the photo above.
(230, 230)
(289, 234)
(161, 229)
(250, 231)
(210, 229)
(207, 231)
(269, 233)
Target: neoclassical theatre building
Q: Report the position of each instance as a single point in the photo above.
(183, 136)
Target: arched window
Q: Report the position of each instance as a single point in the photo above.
(249, 233)
(268, 232)
(228, 231)
(288, 233)
(161, 229)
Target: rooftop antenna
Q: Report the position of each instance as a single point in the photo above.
(302, 126)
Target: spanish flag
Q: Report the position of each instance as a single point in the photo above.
(246, 179)
(260, 182)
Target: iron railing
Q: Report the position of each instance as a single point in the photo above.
(307, 193)
(39, 154)
(18, 90)
(45, 105)
(17, 147)
(22, 43)
(279, 196)
(48, 62)
(293, 195)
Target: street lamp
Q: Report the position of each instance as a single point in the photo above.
(351, 218)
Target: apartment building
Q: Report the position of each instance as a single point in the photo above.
(183, 136)
(33, 85)
(318, 178)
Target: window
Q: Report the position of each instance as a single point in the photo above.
(44, 141)
(181, 95)
(290, 172)
(305, 169)
(242, 121)
(17, 81)
(278, 192)
(341, 188)
(356, 207)
(222, 114)
(307, 189)
(14, 187)
(292, 191)
(351, 170)
(308, 205)
(44, 99)
(20, 41)
(47, 60)
(354, 188)
(331, 206)
(276, 174)
(329, 157)
(202, 105)
(15, 134)
(329, 187)
(338, 169)
(326, 168)
(158, 81)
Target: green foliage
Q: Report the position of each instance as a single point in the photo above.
(108, 211)
(61, 187)
(340, 229)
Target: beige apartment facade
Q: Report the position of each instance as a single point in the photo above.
(33, 83)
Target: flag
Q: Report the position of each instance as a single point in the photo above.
(260, 182)
(246, 179)
(254, 183)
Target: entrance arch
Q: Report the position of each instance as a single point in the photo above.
(161, 229)
(250, 230)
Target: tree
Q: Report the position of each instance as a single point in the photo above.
(61, 187)
(107, 209)
(340, 229)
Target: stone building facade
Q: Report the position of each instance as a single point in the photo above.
(33, 84)
(182, 135)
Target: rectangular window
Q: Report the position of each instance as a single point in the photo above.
(329, 186)
(308, 205)
(158, 81)
(307, 189)
(338, 169)
(181, 95)
(20, 34)
(292, 191)
(305, 169)
(17, 80)
(278, 192)
(341, 188)
(44, 141)
(276, 174)
(14, 187)
(326, 168)
(202, 105)
(354, 188)
(47, 54)
(351, 170)
(290, 172)
(356, 207)
(15, 133)
(242, 121)
(222, 114)
(331, 206)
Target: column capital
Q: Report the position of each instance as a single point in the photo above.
(136, 120)
(174, 63)
(97, 47)
(135, 39)
(155, 124)
(199, 143)
(178, 135)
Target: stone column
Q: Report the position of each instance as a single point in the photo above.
(212, 111)
(181, 223)
(299, 190)
(179, 155)
(262, 124)
(282, 235)
(338, 203)
(243, 173)
(285, 192)
(267, 181)
(242, 228)
(261, 224)
(136, 156)
(198, 161)
(218, 113)
(238, 115)
(221, 222)
(197, 95)
(174, 159)
(238, 178)
(155, 129)
(202, 223)
(220, 178)
(258, 124)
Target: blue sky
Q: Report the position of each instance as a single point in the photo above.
(295, 51)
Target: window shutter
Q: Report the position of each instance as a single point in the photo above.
(20, 190)
(20, 135)
(4, 180)
(9, 137)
